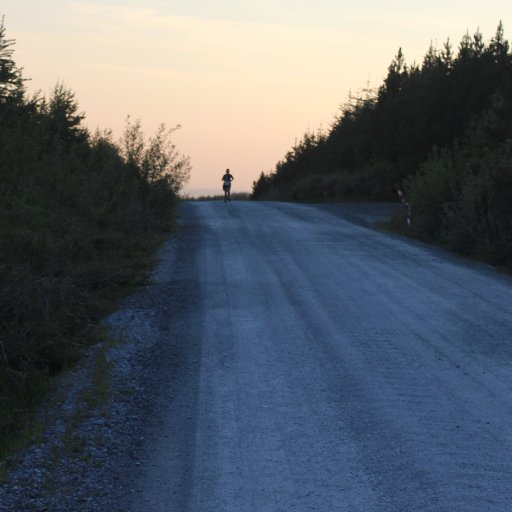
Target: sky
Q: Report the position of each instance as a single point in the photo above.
(244, 79)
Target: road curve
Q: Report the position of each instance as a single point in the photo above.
(328, 367)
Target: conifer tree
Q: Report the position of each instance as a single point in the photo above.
(396, 72)
(11, 81)
(499, 47)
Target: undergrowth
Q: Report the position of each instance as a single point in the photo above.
(81, 216)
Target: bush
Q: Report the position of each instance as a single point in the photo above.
(79, 221)
(479, 221)
(461, 198)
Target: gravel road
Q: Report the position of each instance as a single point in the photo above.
(293, 358)
(330, 367)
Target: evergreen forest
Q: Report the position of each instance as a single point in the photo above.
(80, 217)
(440, 132)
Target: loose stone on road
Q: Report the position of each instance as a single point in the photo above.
(327, 366)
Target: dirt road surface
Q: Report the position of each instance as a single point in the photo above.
(321, 365)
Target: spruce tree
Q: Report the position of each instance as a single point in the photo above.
(11, 81)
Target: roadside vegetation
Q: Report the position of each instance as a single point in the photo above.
(440, 131)
(80, 218)
(235, 196)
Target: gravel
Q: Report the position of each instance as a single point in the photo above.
(89, 450)
(90, 453)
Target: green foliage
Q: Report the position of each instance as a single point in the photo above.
(443, 130)
(11, 82)
(462, 198)
(396, 127)
(79, 219)
(430, 191)
(158, 159)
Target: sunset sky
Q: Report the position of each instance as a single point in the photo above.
(244, 79)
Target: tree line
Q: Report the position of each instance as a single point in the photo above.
(440, 131)
(80, 216)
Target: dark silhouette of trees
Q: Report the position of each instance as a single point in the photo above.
(441, 129)
(11, 81)
(384, 136)
(80, 215)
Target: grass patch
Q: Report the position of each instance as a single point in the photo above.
(398, 225)
(101, 379)
(81, 216)
(14, 442)
(20, 428)
(22, 393)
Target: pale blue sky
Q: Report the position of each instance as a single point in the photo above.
(245, 79)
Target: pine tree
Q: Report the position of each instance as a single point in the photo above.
(11, 81)
(499, 47)
(447, 55)
(396, 73)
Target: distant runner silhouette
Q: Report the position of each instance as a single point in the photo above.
(226, 180)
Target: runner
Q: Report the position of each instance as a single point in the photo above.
(226, 180)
